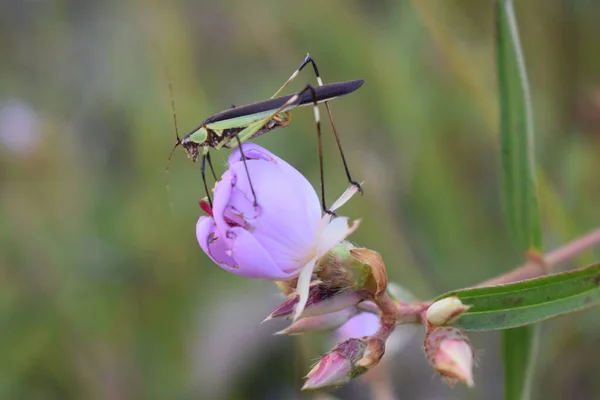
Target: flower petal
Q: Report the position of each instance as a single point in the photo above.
(319, 323)
(213, 244)
(252, 259)
(290, 212)
(222, 194)
(347, 195)
(253, 152)
(363, 324)
(336, 231)
(302, 287)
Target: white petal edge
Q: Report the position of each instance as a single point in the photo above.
(302, 287)
(347, 195)
(336, 231)
(333, 233)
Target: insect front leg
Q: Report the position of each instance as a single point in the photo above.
(240, 138)
(206, 156)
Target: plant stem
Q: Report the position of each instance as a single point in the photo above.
(540, 265)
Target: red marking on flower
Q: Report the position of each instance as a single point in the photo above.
(230, 222)
(205, 206)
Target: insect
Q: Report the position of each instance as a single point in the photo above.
(231, 127)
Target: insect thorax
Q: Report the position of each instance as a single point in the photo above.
(229, 135)
(191, 149)
(216, 139)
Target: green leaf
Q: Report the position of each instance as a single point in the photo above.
(527, 302)
(518, 346)
(516, 132)
(520, 199)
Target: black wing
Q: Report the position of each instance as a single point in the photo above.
(323, 93)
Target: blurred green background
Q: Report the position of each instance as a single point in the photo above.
(104, 291)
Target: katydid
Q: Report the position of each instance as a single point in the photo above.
(232, 127)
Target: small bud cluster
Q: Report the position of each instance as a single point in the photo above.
(328, 283)
(343, 286)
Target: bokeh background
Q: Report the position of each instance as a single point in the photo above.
(104, 291)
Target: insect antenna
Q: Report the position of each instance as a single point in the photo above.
(178, 139)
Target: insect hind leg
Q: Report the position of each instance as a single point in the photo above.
(320, 148)
(309, 60)
(249, 131)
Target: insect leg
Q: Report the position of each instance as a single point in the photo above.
(335, 133)
(308, 59)
(246, 168)
(249, 131)
(211, 166)
(203, 172)
(320, 147)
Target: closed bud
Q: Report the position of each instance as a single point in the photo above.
(444, 311)
(348, 267)
(373, 353)
(377, 278)
(325, 322)
(332, 370)
(322, 299)
(450, 353)
(348, 360)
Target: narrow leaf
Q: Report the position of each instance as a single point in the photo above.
(523, 303)
(520, 199)
(517, 345)
(516, 132)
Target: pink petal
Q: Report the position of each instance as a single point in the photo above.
(213, 244)
(363, 324)
(333, 369)
(253, 152)
(319, 323)
(252, 259)
(454, 359)
(222, 194)
(289, 211)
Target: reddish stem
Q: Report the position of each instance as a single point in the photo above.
(540, 265)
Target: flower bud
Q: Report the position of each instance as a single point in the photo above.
(377, 280)
(444, 311)
(349, 267)
(334, 369)
(324, 322)
(450, 353)
(322, 299)
(374, 352)
(347, 361)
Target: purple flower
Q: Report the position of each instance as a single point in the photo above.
(366, 324)
(280, 238)
(363, 324)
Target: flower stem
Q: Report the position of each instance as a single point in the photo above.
(540, 265)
